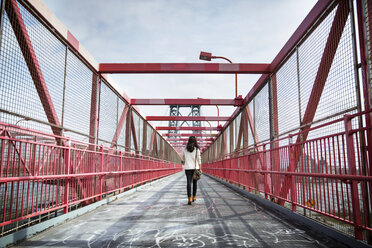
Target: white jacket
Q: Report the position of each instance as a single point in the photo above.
(189, 158)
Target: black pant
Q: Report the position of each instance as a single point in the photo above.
(189, 174)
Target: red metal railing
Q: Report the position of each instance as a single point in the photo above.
(330, 176)
(37, 176)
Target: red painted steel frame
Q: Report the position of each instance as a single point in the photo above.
(334, 191)
(189, 128)
(28, 52)
(94, 103)
(197, 101)
(318, 10)
(246, 68)
(321, 77)
(187, 118)
(186, 139)
(80, 165)
(189, 134)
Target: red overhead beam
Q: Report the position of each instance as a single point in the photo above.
(185, 142)
(189, 128)
(197, 101)
(190, 134)
(180, 146)
(187, 118)
(225, 68)
(186, 139)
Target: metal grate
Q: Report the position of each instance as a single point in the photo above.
(339, 93)
(121, 138)
(288, 96)
(18, 93)
(262, 114)
(77, 97)
(107, 114)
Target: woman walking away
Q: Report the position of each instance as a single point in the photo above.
(191, 160)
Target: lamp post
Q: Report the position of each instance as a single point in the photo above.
(208, 57)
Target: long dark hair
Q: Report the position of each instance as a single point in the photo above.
(191, 144)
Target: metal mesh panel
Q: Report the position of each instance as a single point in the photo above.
(251, 107)
(77, 96)
(367, 6)
(121, 138)
(287, 96)
(149, 136)
(136, 121)
(50, 53)
(262, 114)
(107, 114)
(339, 92)
(227, 141)
(237, 122)
(17, 90)
(310, 54)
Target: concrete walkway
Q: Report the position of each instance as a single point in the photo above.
(158, 216)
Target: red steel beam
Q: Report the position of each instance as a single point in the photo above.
(186, 139)
(177, 146)
(188, 118)
(222, 68)
(197, 101)
(190, 134)
(134, 135)
(29, 55)
(120, 126)
(189, 128)
(185, 142)
(306, 25)
(329, 52)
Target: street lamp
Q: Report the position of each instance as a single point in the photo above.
(208, 57)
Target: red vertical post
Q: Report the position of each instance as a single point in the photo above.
(128, 130)
(292, 177)
(67, 172)
(121, 169)
(266, 181)
(352, 171)
(93, 127)
(100, 170)
(366, 79)
(275, 156)
(144, 139)
(134, 136)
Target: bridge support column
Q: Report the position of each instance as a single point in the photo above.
(352, 171)
(67, 172)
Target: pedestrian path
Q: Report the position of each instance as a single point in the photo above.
(157, 215)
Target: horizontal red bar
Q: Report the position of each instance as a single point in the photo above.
(189, 128)
(181, 146)
(187, 118)
(74, 176)
(225, 68)
(190, 134)
(197, 101)
(185, 143)
(186, 139)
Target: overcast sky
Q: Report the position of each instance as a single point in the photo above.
(245, 31)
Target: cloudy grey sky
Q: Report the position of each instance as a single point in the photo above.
(245, 31)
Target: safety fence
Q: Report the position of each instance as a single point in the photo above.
(326, 178)
(40, 179)
(270, 144)
(48, 82)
